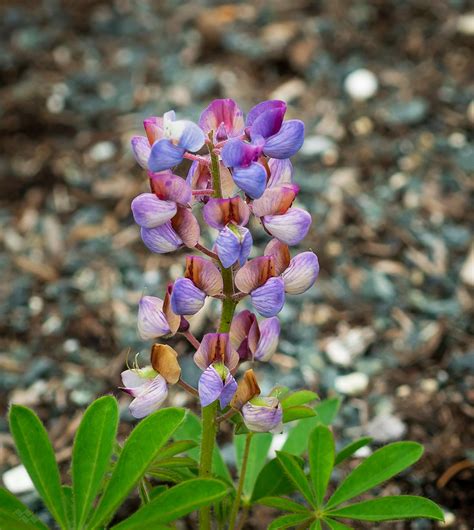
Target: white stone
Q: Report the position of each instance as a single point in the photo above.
(290, 90)
(352, 384)
(102, 151)
(317, 145)
(361, 84)
(386, 427)
(467, 270)
(465, 24)
(17, 480)
(343, 349)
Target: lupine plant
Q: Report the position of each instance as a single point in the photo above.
(240, 176)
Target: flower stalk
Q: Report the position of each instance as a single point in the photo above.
(240, 486)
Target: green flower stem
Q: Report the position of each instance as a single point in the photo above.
(215, 173)
(240, 486)
(209, 430)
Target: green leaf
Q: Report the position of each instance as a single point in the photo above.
(379, 467)
(297, 440)
(175, 461)
(351, 448)
(298, 398)
(316, 525)
(14, 515)
(68, 497)
(93, 447)
(297, 413)
(157, 490)
(176, 448)
(291, 467)
(259, 446)
(336, 525)
(321, 459)
(287, 521)
(190, 429)
(284, 504)
(271, 481)
(139, 451)
(390, 509)
(175, 503)
(37, 455)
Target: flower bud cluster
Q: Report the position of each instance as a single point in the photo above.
(243, 172)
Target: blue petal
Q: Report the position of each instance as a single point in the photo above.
(228, 247)
(230, 387)
(268, 299)
(287, 141)
(186, 298)
(161, 239)
(164, 155)
(210, 386)
(192, 138)
(251, 179)
(246, 246)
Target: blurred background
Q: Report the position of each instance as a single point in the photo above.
(386, 91)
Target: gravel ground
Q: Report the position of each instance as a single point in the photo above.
(385, 89)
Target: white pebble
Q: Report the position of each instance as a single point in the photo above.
(361, 84)
(352, 384)
(466, 24)
(386, 427)
(102, 151)
(17, 480)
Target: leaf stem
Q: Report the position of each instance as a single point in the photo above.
(240, 486)
(208, 438)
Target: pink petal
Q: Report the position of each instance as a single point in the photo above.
(150, 399)
(269, 335)
(152, 322)
(149, 211)
(275, 200)
(169, 187)
(204, 274)
(281, 172)
(187, 227)
(254, 273)
(291, 227)
(280, 253)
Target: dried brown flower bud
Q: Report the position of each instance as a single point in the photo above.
(164, 360)
(247, 389)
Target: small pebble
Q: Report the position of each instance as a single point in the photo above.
(361, 84)
(102, 151)
(465, 24)
(386, 427)
(17, 480)
(353, 384)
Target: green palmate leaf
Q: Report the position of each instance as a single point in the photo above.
(350, 449)
(176, 448)
(336, 525)
(174, 462)
(294, 472)
(297, 413)
(279, 392)
(93, 447)
(284, 504)
(14, 515)
(298, 398)
(287, 521)
(271, 481)
(379, 467)
(175, 503)
(138, 452)
(190, 429)
(297, 440)
(316, 525)
(172, 475)
(390, 509)
(37, 455)
(259, 446)
(157, 490)
(321, 459)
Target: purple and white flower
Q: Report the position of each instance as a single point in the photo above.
(156, 318)
(202, 279)
(216, 348)
(263, 414)
(216, 382)
(223, 118)
(148, 388)
(254, 340)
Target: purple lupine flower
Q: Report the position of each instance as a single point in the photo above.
(223, 118)
(263, 414)
(202, 279)
(148, 388)
(166, 222)
(298, 273)
(269, 136)
(216, 348)
(281, 172)
(288, 224)
(234, 241)
(254, 340)
(178, 136)
(156, 318)
(141, 145)
(267, 291)
(216, 382)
